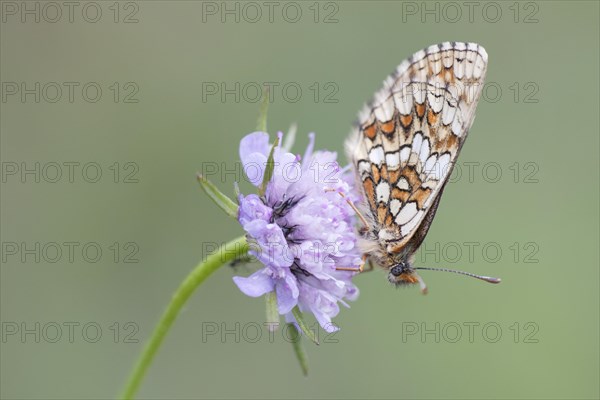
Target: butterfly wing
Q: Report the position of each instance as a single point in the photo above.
(408, 138)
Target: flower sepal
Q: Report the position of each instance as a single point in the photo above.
(220, 199)
(272, 312)
(299, 350)
(268, 169)
(304, 326)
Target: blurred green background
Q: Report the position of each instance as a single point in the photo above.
(537, 125)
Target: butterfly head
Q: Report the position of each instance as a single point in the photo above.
(402, 274)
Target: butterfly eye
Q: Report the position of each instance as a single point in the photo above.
(397, 270)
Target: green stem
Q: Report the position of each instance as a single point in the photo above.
(226, 253)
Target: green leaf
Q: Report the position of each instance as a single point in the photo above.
(261, 123)
(221, 200)
(236, 190)
(268, 169)
(272, 312)
(299, 349)
(305, 328)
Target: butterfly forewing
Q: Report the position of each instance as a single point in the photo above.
(408, 138)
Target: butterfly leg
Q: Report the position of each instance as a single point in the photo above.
(360, 269)
(422, 284)
(351, 204)
(369, 266)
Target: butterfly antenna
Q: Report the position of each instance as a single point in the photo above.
(489, 279)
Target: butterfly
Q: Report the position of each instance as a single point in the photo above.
(403, 149)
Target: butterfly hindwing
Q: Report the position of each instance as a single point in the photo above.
(408, 138)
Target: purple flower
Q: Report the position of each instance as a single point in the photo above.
(300, 230)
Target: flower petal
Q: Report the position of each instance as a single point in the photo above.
(287, 291)
(256, 142)
(254, 150)
(285, 300)
(274, 250)
(252, 208)
(256, 284)
(287, 170)
(309, 149)
(254, 166)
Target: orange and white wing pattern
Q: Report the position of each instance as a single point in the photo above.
(408, 138)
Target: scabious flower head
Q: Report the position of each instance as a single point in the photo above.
(300, 229)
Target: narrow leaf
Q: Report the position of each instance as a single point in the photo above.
(221, 200)
(272, 313)
(236, 190)
(299, 349)
(261, 123)
(302, 324)
(268, 169)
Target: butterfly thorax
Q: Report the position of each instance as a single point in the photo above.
(397, 260)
